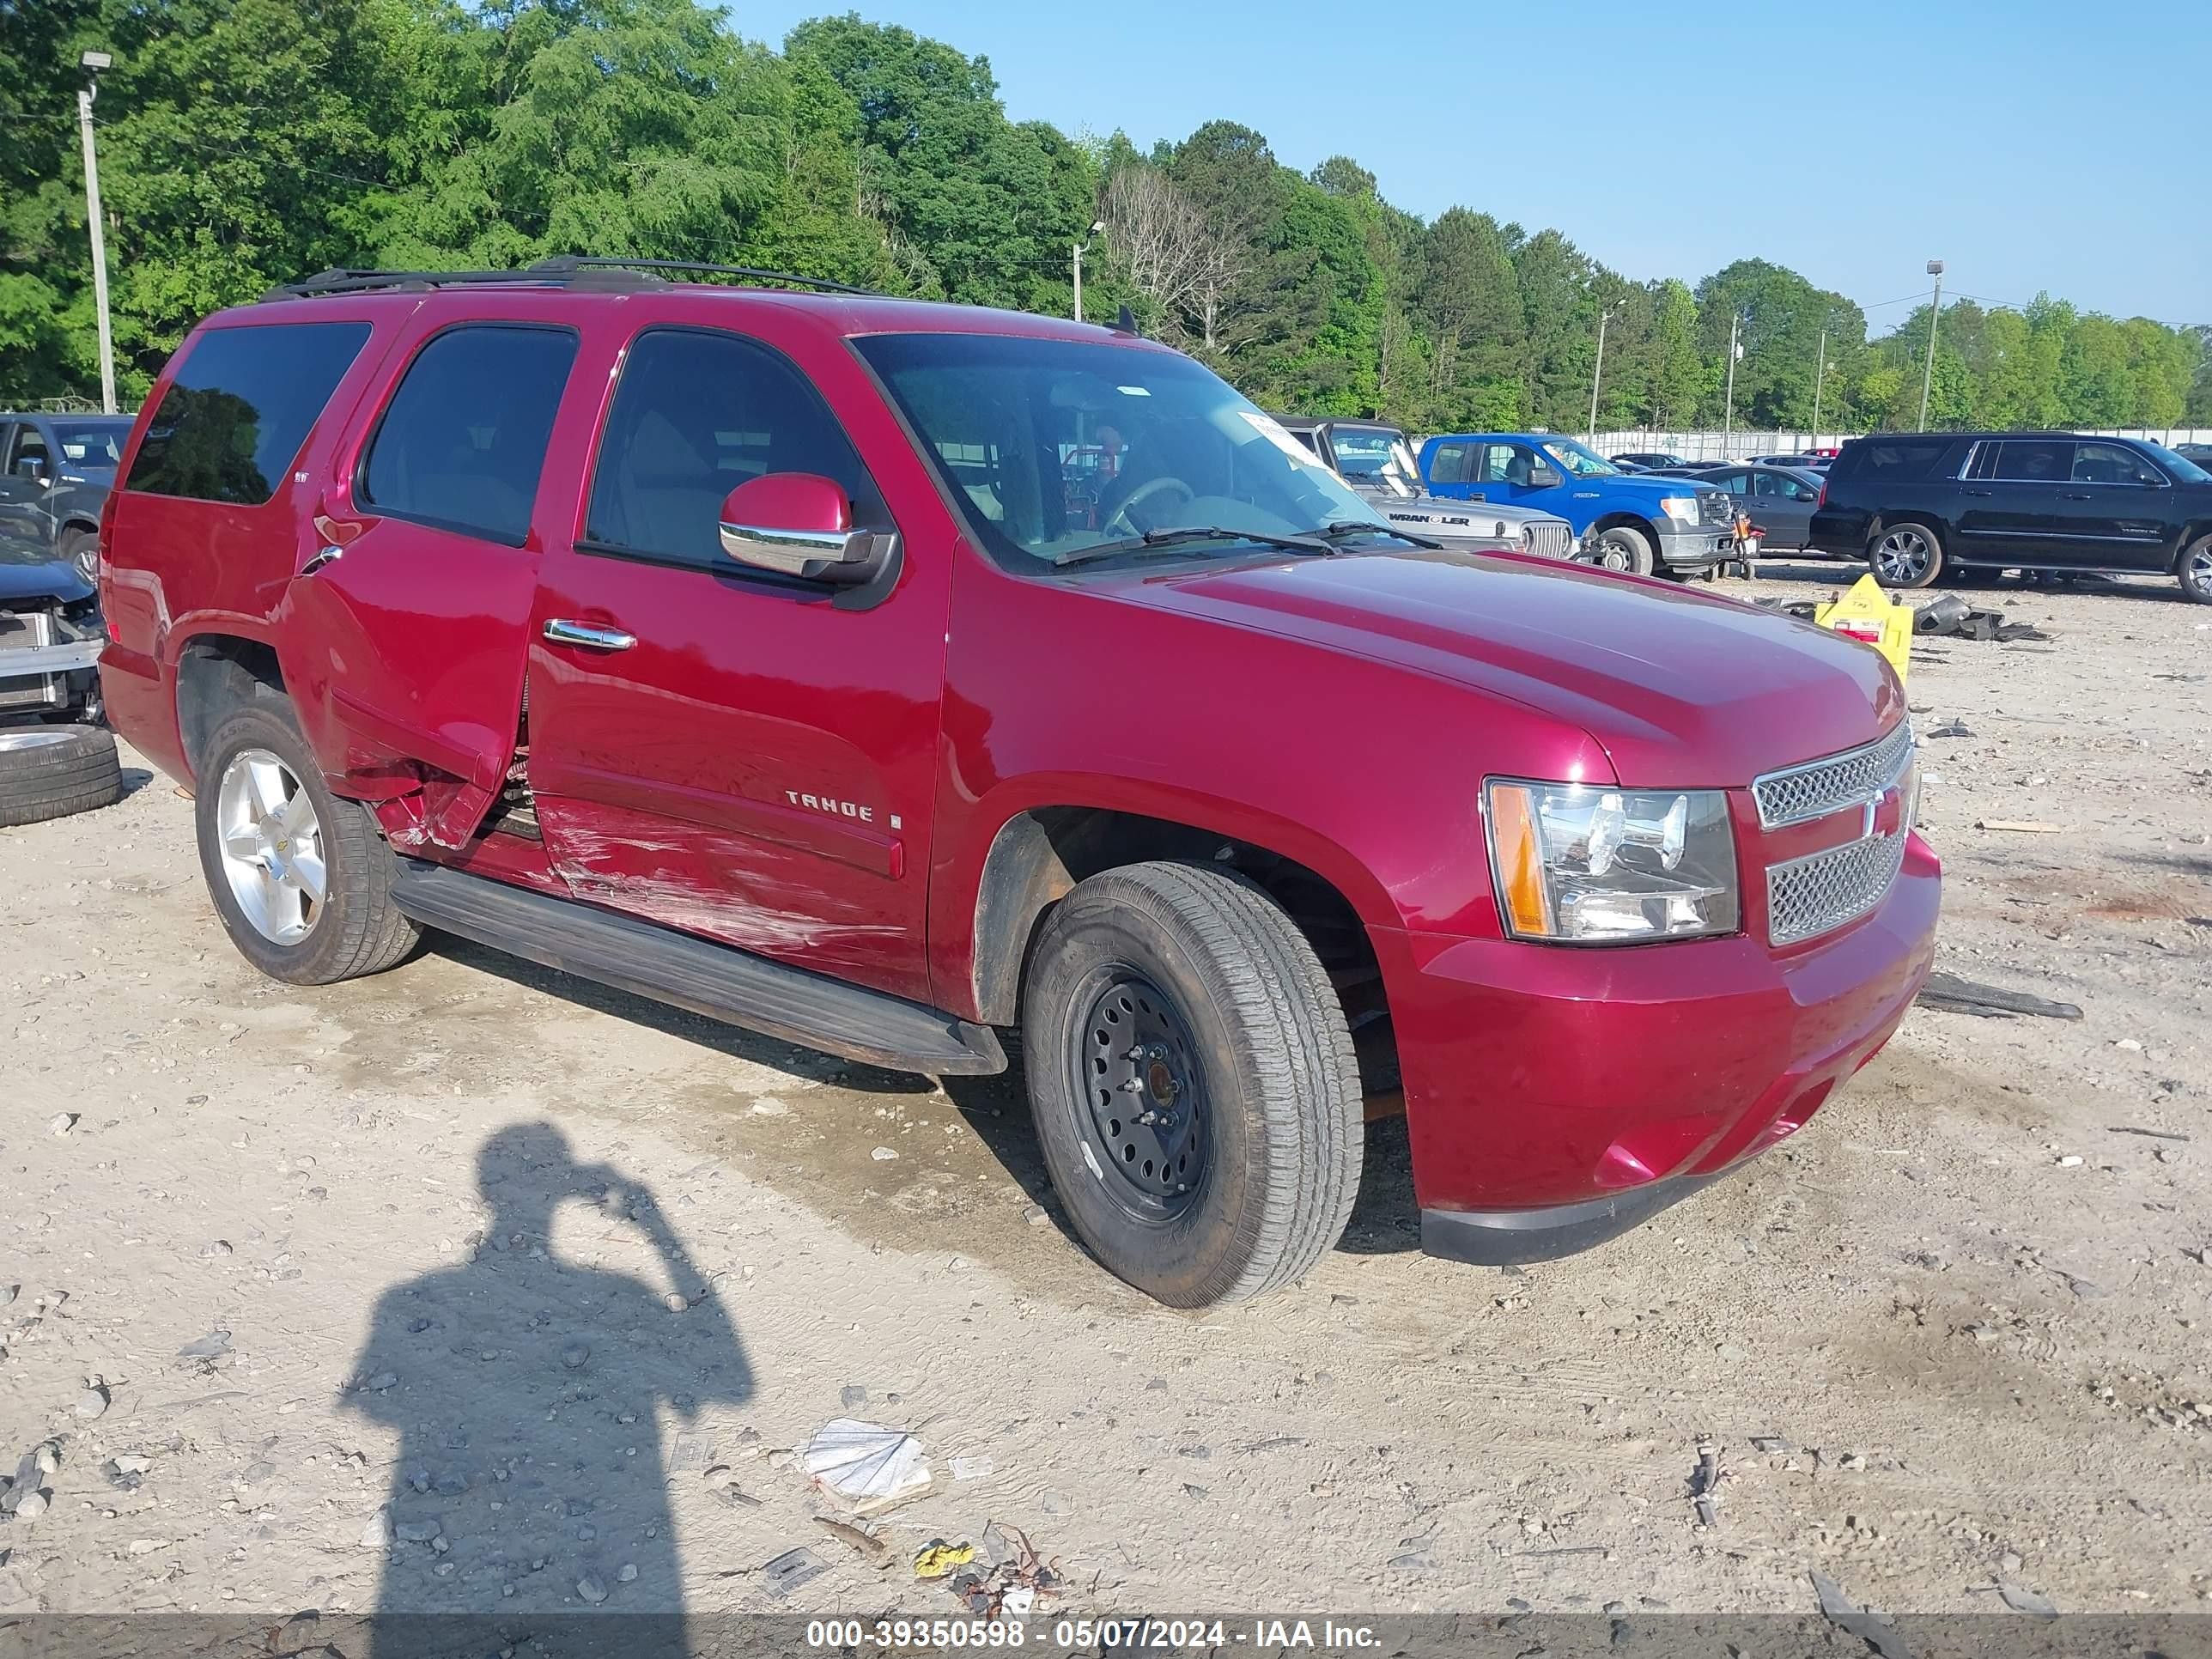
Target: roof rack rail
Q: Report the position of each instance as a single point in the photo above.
(582, 262)
(560, 271)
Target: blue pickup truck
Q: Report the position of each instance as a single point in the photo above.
(1628, 520)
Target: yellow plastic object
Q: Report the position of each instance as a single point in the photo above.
(941, 1558)
(1866, 613)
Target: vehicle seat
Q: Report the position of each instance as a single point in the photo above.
(1519, 470)
(667, 495)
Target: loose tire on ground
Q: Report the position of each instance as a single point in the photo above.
(2193, 569)
(1185, 985)
(353, 929)
(1623, 547)
(1905, 553)
(53, 771)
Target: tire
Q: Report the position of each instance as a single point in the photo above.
(54, 771)
(254, 770)
(1231, 1018)
(1623, 547)
(80, 548)
(2193, 570)
(1907, 554)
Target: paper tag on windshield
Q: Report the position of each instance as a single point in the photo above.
(1276, 434)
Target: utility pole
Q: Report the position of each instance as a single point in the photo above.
(1604, 315)
(1820, 377)
(1079, 249)
(1928, 368)
(1727, 410)
(92, 63)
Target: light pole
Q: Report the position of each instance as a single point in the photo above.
(1079, 249)
(1597, 375)
(1728, 401)
(92, 63)
(1819, 375)
(1928, 368)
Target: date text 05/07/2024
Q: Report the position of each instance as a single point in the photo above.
(1091, 1635)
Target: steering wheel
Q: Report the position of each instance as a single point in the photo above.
(1144, 492)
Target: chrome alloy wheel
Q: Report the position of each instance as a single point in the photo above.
(1903, 555)
(272, 847)
(2196, 569)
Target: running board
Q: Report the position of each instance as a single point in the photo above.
(719, 980)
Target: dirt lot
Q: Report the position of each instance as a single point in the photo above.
(328, 1256)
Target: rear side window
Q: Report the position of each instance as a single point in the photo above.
(1890, 460)
(2032, 460)
(462, 442)
(240, 405)
(1448, 464)
(696, 415)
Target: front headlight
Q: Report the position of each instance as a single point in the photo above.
(1680, 506)
(1581, 864)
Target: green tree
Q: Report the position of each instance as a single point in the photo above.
(1679, 372)
(1468, 301)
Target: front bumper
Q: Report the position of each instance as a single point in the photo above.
(1682, 547)
(1555, 1096)
(49, 676)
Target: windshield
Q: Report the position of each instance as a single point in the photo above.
(2183, 470)
(1377, 457)
(1049, 447)
(1575, 460)
(92, 443)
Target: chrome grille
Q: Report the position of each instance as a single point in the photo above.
(1800, 793)
(1548, 539)
(1713, 507)
(1809, 895)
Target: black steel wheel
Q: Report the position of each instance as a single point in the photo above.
(1139, 1072)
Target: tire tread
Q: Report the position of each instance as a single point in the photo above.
(60, 779)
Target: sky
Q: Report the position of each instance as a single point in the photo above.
(2032, 145)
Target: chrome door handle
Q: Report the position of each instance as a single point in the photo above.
(329, 553)
(598, 639)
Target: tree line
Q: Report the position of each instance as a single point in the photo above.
(248, 143)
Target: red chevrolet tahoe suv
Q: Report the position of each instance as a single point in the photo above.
(780, 654)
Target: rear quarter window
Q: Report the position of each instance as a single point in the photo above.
(1891, 461)
(239, 409)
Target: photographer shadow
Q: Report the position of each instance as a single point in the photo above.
(526, 1391)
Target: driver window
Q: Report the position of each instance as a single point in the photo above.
(695, 416)
(1503, 464)
(2110, 464)
(30, 459)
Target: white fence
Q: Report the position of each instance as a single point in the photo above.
(1713, 446)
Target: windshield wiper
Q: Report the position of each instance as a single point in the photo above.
(1156, 540)
(1363, 527)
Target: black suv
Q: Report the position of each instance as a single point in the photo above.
(1915, 504)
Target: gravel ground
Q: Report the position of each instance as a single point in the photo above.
(472, 1287)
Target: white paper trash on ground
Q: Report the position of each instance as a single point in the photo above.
(866, 1461)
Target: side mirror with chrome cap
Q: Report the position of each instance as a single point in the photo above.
(800, 524)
